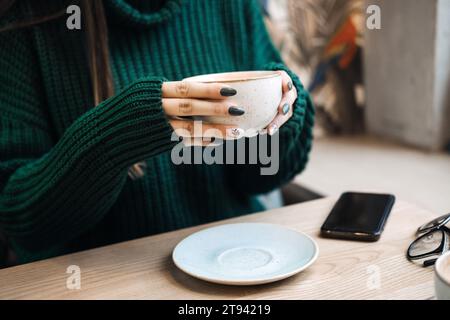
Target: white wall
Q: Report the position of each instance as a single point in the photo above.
(442, 65)
(407, 71)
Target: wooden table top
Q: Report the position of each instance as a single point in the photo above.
(143, 269)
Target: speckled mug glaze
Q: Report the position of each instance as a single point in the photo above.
(258, 93)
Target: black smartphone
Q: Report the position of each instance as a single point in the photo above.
(358, 216)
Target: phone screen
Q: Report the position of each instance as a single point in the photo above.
(358, 215)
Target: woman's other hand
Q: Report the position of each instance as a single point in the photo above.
(285, 109)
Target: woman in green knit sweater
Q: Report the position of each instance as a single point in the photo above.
(74, 119)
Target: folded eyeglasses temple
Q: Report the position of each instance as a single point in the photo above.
(428, 263)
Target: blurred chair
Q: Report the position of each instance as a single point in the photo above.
(7, 257)
(294, 193)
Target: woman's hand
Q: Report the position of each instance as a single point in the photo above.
(183, 98)
(285, 110)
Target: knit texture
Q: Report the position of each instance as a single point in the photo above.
(63, 161)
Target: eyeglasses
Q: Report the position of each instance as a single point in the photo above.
(433, 240)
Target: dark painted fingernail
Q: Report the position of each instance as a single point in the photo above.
(286, 108)
(235, 111)
(290, 85)
(227, 92)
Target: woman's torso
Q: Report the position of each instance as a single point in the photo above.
(184, 39)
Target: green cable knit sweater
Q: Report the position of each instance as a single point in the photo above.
(63, 161)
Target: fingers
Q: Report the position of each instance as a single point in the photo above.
(287, 101)
(285, 111)
(197, 107)
(286, 81)
(200, 142)
(188, 89)
(277, 122)
(185, 98)
(197, 129)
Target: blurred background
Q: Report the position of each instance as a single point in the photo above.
(379, 74)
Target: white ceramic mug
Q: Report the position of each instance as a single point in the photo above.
(442, 277)
(258, 93)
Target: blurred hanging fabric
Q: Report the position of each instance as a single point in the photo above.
(322, 41)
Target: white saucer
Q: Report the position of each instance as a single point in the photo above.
(245, 253)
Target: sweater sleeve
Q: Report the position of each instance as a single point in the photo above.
(51, 191)
(293, 141)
